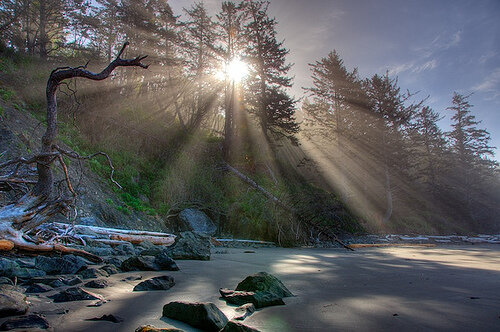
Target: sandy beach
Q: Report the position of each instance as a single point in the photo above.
(407, 289)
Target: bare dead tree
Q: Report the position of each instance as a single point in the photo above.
(40, 203)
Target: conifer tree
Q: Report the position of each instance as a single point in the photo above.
(268, 80)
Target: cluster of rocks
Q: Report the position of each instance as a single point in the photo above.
(256, 291)
(66, 277)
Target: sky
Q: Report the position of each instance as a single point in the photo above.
(433, 47)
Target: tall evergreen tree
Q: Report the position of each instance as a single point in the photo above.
(268, 75)
(387, 104)
(471, 149)
(428, 148)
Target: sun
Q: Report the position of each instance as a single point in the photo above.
(236, 70)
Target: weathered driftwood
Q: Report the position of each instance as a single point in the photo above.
(112, 236)
(285, 207)
(381, 245)
(40, 203)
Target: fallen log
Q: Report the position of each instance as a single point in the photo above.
(379, 245)
(6, 245)
(277, 201)
(135, 239)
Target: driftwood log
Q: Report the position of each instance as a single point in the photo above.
(40, 203)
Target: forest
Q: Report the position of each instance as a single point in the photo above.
(209, 122)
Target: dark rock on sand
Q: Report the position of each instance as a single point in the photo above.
(191, 245)
(72, 281)
(233, 326)
(166, 263)
(25, 322)
(264, 282)
(38, 288)
(98, 283)
(109, 318)
(93, 272)
(74, 294)
(111, 269)
(12, 301)
(140, 263)
(156, 283)
(205, 316)
(259, 299)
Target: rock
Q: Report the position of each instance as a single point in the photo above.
(116, 261)
(99, 283)
(88, 221)
(97, 303)
(132, 278)
(57, 283)
(93, 272)
(156, 283)
(125, 249)
(68, 264)
(140, 263)
(166, 263)
(110, 269)
(47, 280)
(25, 322)
(7, 265)
(11, 269)
(198, 221)
(190, 245)
(244, 311)
(205, 316)
(100, 251)
(233, 326)
(6, 281)
(12, 302)
(74, 294)
(151, 328)
(264, 282)
(109, 318)
(25, 273)
(259, 299)
(72, 281)
(38, 288)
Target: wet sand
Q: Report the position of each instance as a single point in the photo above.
(453, 288)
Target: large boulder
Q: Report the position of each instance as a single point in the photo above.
(68, 264)
(198, 221)
(259, 299)
(74, 294)
(205, 316)
(262, 289)
(25, 322)
(190, 245)
(264, 282)
(156, 283)
(12, 302)
(140, 263)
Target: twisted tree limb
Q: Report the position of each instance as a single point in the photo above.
(39, 204)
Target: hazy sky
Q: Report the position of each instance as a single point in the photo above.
(432, 46)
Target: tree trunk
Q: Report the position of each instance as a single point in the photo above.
(43, 39)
